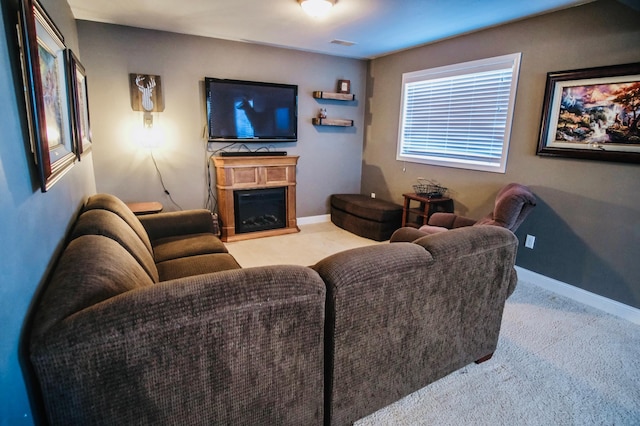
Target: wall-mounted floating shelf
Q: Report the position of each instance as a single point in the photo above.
(332, 122)
(334, 96)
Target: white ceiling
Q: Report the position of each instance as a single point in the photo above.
(377, 27)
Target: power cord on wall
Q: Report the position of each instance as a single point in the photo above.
(164, 188)
(212, 202)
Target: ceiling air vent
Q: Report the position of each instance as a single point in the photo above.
(343, 42)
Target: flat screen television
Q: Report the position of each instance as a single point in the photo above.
(251, 111)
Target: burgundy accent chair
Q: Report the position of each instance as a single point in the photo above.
(513, 204)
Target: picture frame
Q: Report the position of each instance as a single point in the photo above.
(592, 114)
(44, 67)
(344, 86)
(81, 123)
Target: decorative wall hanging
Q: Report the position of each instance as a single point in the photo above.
(44, 69)
(344, 86)
(80, 98)
(146, 92)
(592, 114)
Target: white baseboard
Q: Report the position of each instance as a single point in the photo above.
(313, 219)
(609, 306)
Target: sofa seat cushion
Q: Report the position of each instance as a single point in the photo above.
(367, 207)
(196, 265)
(186, 245)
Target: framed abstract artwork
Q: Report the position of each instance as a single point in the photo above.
(44, 67)
(592, 114)
(80, 104)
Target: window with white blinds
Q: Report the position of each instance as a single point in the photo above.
(459, 115)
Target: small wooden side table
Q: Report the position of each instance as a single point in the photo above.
(148, 207)
(427, 207)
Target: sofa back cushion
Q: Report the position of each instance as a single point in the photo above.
(117, 206)
(109, 224)
(92, 268)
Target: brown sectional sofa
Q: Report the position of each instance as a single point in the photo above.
(148, 320)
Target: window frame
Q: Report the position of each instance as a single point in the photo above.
(453, 71)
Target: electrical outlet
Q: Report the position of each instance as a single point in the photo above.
(373, 195)
(530, 241)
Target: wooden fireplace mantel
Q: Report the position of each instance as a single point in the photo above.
(238, 173)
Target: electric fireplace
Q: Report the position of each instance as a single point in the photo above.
(259, 209)
(262, 190)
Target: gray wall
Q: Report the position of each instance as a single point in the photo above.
(587, 223)
(32, 224)
(330, 158)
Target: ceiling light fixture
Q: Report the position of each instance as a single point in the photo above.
(317, 8)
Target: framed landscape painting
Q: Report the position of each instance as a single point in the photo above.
(592, 114)
(44, 67)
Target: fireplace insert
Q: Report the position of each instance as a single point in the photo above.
(259, 209)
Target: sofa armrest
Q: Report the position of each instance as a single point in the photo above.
(442, 219)
(449, 220)
(235, 347)
(366, 266)
(406, 234)
(170, 224)
(474, 240)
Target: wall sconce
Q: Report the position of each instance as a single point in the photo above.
(146, 95)
(148, 120)
(317, 8)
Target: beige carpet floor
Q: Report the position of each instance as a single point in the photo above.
(314, 242)
(558, 362)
